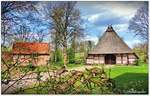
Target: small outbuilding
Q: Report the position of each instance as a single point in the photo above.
(111, 49)
(31, 52)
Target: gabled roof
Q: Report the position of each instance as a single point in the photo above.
(30, 48)
(110, 43)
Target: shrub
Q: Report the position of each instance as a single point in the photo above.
(91, 81)
(57, 56)
(71, 55)
(29, 67)
(136, 62)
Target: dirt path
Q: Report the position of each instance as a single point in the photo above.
(82, 68)
(31, 79)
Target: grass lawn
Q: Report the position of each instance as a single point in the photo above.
(130, 79)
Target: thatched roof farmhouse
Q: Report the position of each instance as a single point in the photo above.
(111, 49)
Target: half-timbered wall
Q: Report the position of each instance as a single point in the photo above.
(124, 59)
(132, 58)
(26, 59)
(101, 59)
(120, 59)
(95, 59)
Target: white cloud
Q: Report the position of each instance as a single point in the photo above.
(103, 9)
(122, 8)
(121, 28)
(119, 8)
(93, 18)
(91, 38)
(131, 43)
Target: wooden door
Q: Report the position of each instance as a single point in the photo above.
(110, 59)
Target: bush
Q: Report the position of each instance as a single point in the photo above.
(136, 62)
(29, 67)
(57, 56)
(139, 62)
(71, 55)
(91, 81)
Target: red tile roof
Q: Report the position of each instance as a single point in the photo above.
(30, 48)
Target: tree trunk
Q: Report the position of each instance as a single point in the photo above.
(65, 53)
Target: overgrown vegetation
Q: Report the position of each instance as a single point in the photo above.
(124, 79)
(93, 80)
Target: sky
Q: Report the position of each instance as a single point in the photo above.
(95, 16)
(98, 15)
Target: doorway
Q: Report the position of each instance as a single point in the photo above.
(110, 59)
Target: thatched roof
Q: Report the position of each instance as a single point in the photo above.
(110, 43)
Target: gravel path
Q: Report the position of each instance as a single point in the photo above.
(31, 79)
(89, 66)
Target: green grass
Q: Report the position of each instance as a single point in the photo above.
(130, 79)
(119, 70)
(79, 56)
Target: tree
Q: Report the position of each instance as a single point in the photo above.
(57, 50)
(65, 19)
(139, 23)
(10, 17)
(77, 36)
(141, 50)
(22, 34)
(21, 21)
(8, 9)
(71, 55)
(89, 45)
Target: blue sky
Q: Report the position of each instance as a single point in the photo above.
(98, 15)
